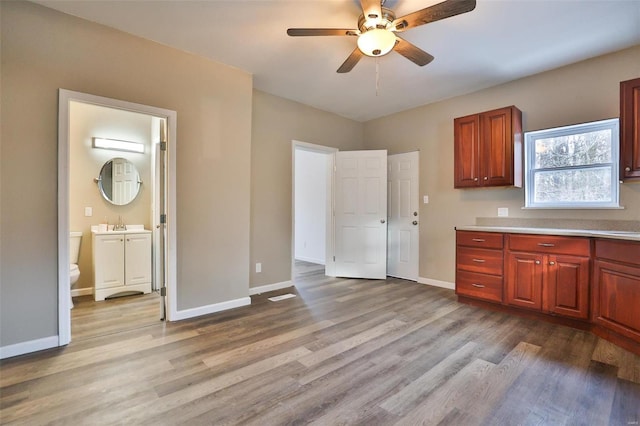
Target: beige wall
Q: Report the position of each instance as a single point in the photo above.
(42, 51)
(276, 122)
(578, 93)
(87, 121)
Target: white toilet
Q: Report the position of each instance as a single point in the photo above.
(74, 253)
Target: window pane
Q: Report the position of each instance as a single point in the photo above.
(586, 185)
(574, 150)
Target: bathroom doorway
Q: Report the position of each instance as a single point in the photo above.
(135, 204)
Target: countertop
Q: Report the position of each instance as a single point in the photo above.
(618, 235)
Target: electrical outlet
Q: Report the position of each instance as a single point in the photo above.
(258, 267)
(503, 211)
(88, 211)
(425, 199)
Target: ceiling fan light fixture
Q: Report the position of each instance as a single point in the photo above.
(376, 42)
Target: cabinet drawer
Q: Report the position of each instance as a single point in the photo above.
(479, 286)
(480, 239)
(484, 261)
(619, 251)
(577, 246)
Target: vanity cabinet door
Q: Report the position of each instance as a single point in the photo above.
(108, 266)
(137, 259)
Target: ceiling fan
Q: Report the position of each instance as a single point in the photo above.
(378, 28)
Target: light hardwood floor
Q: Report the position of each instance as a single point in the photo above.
(344, 351)
(91, 319)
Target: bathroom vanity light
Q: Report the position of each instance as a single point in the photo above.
(118, 145)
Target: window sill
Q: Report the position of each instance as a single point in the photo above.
(574, 208)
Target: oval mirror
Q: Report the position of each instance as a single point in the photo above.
(119, 181)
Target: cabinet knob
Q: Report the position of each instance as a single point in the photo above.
(552, 263)
(486, 178)
(475, 179)
(537, 262)
(627, 169)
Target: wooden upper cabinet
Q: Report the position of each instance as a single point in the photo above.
(488, 149)
(630, 129)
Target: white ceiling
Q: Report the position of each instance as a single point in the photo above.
(501, 40)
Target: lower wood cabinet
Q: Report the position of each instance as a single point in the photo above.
(616, 287)
(585, 282)
(557, 284)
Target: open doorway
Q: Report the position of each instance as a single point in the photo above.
(115, 199)
(312, 245)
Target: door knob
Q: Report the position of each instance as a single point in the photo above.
(415, 213)
(382, 221)
(415, 222)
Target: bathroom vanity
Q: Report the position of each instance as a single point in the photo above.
(121, 262)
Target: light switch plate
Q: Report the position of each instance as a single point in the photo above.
(88, 211)
(503, 211)
(425, 199)
(258, 267)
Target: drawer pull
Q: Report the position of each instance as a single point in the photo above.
(479, 260)
(546, 245)
(479, 240)
(478, 285)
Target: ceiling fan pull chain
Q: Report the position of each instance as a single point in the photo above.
(377, 77)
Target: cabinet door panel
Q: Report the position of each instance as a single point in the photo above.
(497, 154)
(138, 259)
(524, 280)
(630, 129)
(617, 298)
(568, 286)
(466, 151)
(109, 270)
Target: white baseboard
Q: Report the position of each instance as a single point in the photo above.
(310, 260)
(210, 309)
(269, 287)
(85, 291)
(437, 283)
(28, 347)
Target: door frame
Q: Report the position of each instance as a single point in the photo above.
(65, 97)
(329, 238)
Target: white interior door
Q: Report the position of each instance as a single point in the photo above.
(361, 214)
(404, 231)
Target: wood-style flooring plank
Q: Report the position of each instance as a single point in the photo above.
(343, 351)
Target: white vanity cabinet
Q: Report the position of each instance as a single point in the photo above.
(121, 262)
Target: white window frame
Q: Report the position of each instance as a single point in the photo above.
(530, 171)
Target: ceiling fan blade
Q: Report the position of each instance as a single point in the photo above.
(300, 32)
(439, 11)
(351, 61)
(412, 53)
(371, 8)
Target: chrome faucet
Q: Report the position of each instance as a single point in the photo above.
(120, 226)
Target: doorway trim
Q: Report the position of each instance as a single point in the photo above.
(64, 291)
(329, 238)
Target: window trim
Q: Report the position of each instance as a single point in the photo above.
(529, 170)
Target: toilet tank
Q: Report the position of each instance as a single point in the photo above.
(74, 246)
